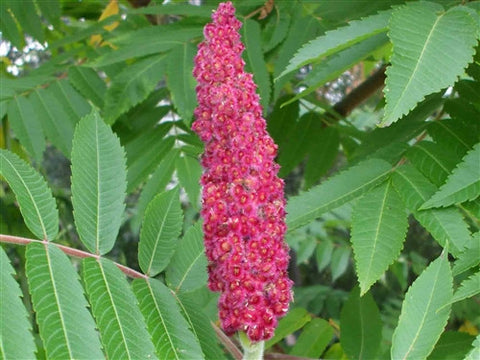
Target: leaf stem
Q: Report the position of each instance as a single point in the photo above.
(251, 351)
(10, 239)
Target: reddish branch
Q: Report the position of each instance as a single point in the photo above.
(69, 251)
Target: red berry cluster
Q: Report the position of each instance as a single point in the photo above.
(243, 201)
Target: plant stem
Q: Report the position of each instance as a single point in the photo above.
(251, 351)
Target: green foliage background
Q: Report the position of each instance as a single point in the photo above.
(375, 107)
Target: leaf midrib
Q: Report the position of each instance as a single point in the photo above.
(188, 271)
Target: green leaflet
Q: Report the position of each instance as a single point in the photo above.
(147, 41)
(361, 326)
(16, 339)
(338, 39)
(336, 191)
(180, 80)
(475, 352)
(26, 127)
(9, 28)
(457, 136)
(313, 340)
(422, 321)
(468, 288)
(469, 257)
(160, 231)
(452, 345)
(133, 85)
(294, 320)
(187, 269)
(98, 183)
(428, 57)
(88, 83)
(188, 172)
(170, 331)
(27, 16)
(255, 63)
(35, 199)
(463, 183)
(176, 9)
(379, 227)
(66, 327)
(445, 225)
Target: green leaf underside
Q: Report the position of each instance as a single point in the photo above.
(431, 48)
(445, 225)
(119, 320)
(98, 183)
(469, 257)
(463, 184)
(294, 320)
(35, 199)
(421, 322)
(187, 269)
(24, 124)
(147, 41)
(468, 288)
(336, 191)
(255, 63)
(155, 185)
(16, 340)
(361, 326)
(169, 329)
(338, 39)
(200, 325)
(66, 326)
(379, 227)
(160, 230)
(133, 85)
(88, 83)
(189, 172)
(313, 340)
(180, 80)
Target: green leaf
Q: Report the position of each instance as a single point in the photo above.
(9, 28)
(54, 120)
(145, 152)
(428, 59)
(445, 225)
(180, 80)
(421, 322)
(28, 130)
(73, 103)
(294, 320)
(187, 269)
(169, 329)
(51, 10)
(379, 227)
(16, 339)
(27, 16)
(336, 191)
(147, 41)
(452, 345)
(35, 199)
(313, 340)
(175, 9)
(88, 83)
(200, 325)
(361, 326)
(188, 172)
(468, 288)
(255, 63)
(133, 85)
(160, 230)
(66, 326)
(469, 256)
(98, 183)
(119, 320)
(155, 185)
(336, 64)
(323, 254)
(321, 155)
(339, 39)
(433, 160)
(339, 262)
(454, 135)
(475, 352)
(275, 30)
(463, 184)
(281, 121)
